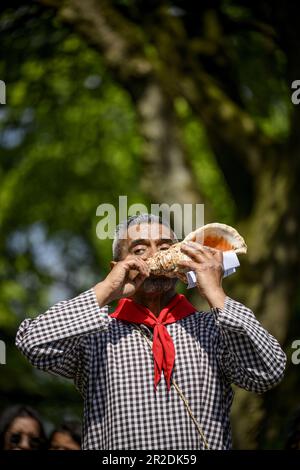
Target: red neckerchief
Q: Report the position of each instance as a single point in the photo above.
(163, 347)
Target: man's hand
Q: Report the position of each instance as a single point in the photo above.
(123, 280)
(207, 263)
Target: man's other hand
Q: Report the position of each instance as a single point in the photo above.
(123, 280)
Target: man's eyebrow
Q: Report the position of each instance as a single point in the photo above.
(145, 241)
(139, 241)
(165, 240)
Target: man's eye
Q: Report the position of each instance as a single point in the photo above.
(139, 251)
(164, 247)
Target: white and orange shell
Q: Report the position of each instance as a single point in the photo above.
(218, 236)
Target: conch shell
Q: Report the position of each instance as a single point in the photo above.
(218, 236)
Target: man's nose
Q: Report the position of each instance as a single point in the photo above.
(24, 444)
(153, 248)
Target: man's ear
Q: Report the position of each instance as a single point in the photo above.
(112, 264)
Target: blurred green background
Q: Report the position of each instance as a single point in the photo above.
(162, 101)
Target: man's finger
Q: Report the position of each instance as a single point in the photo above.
(191, 265)
(194, 254)
(206, 251)
(138, 265)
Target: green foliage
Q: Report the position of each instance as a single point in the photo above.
(68, 142)
(207, 172)
(262, 88)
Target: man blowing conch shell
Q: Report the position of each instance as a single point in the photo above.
(156, 373)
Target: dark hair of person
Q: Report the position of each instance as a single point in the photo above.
(19, 411)
(73, 428)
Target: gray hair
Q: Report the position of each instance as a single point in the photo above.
(134, 220)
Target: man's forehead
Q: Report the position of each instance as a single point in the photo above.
(146, 231)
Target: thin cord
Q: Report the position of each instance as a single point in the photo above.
(181, 395)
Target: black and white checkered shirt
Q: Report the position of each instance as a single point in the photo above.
(112, 366)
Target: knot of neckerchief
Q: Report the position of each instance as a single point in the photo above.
(163, 347)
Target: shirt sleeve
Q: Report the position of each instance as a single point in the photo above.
(248, 355)
(58, 340)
